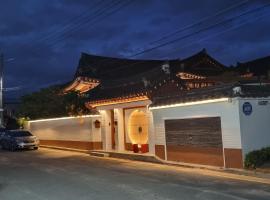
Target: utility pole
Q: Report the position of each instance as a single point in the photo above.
(1, 90)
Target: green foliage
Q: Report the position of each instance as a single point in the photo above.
(257, 158)
(22, 121)
(51, 102)
(11, 123)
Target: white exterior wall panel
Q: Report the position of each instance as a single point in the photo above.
(227, 111)
(73, 129)
(255, 128)
(159, 132)
(151, 132)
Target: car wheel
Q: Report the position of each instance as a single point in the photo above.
(35, 148)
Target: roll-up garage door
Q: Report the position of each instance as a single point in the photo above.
(194, 140)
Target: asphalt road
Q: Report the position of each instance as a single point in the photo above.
(60, 175)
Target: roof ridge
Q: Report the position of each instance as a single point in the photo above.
(254, 60)
(120, 58)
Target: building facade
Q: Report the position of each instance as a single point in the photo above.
(194, 110)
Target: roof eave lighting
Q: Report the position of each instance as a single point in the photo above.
(62, 118)
(190, 103)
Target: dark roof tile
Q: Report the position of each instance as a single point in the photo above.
(218, 91)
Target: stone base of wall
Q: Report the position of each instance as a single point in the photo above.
(160, 151)
(205, 156)
(196, 155)
(233, 158)
(73, 144)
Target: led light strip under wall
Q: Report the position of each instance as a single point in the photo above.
(61, 118)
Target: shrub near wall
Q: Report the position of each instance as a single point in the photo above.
(257, 158)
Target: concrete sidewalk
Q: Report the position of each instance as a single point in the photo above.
(235, 174)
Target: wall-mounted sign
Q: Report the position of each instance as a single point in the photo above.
(247, 108)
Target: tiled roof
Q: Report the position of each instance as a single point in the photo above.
(139, 86)
(200, 64)
(214, 92)
(260, 66)
(130, 78)
(108, 68)
(250, 90)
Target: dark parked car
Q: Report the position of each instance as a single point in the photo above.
(18, 139)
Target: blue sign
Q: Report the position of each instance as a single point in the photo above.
(247, 108)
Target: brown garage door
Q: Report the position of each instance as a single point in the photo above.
(194, 140)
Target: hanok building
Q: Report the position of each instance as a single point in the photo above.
(194, 110)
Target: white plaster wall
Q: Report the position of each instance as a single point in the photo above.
(255, 128)
(106, 129)
(96, 132)
(151, 133)
(74, 129)
(103, 128)
(227, 111)
(120, 129)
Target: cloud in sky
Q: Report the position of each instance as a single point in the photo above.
(45, 38)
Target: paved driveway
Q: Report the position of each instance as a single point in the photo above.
(57, 175)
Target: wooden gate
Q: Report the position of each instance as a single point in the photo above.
(195, 140)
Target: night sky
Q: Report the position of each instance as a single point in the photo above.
(42, 40)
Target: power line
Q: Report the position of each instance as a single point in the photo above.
(201, 21)
(80, 21)
(191, 34)
(86, 19)
(198, 31)
(98, 13)
(126, 3)
(207, 28)
(218, 33)
(220, 12)
(68, 23)
(245, 22)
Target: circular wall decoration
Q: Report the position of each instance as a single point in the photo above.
(138, 127)
(247, 108)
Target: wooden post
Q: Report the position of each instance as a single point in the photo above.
(112, 129)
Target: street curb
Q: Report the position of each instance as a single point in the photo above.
(65, 149)
(242, 175)
(243, 172)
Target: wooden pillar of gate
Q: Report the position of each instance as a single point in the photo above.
(112, 129)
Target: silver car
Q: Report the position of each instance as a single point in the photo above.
(18, 139)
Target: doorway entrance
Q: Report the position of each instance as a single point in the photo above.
(138, 127)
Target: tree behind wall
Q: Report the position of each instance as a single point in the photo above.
(51, 102)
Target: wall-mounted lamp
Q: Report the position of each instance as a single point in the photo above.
(97, 124)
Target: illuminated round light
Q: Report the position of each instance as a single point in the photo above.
(138, 127)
